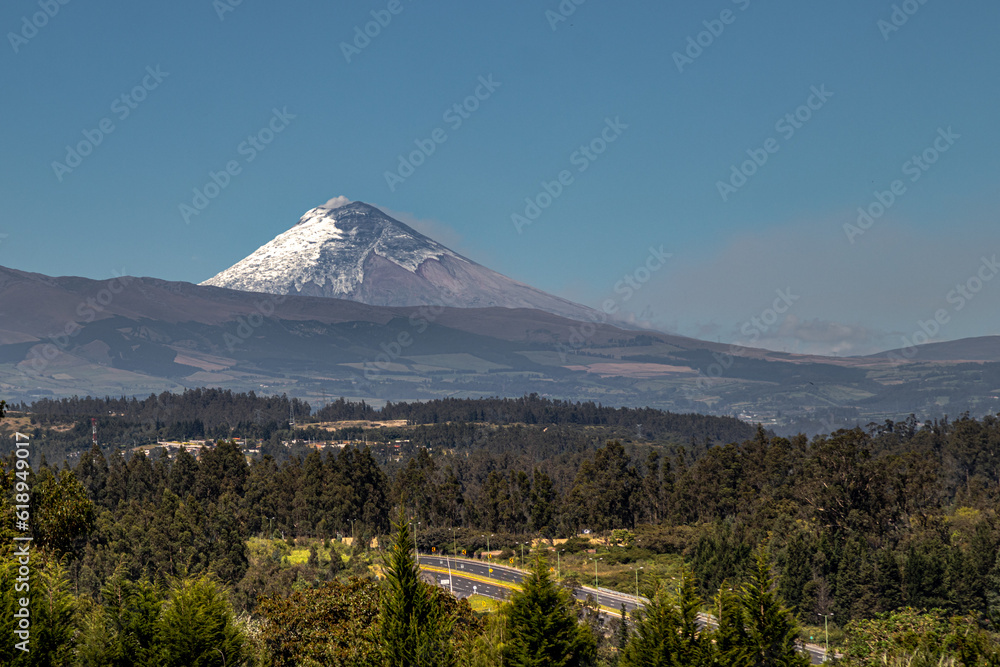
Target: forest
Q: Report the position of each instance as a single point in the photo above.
(889, 533)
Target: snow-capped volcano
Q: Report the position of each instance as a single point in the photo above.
(355, 251)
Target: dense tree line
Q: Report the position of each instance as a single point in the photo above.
(195, 413)
(222, 413)
(160, 519)
(863, 522)
(859, 525)
(533, 409)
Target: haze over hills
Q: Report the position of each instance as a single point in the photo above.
(133, 336)
(355, 251)
(980, 348)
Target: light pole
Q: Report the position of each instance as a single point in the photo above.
(826, 635)
(597, 584)
(451, 583)
(522, 555)
(637, 582)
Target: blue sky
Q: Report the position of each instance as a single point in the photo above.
(199, 80)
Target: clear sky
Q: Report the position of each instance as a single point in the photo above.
(300, 108)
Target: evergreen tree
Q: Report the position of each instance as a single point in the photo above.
(197, 629)
(52, 614)
(649, 495)
(993, 593)
(666, 631)
(730, 635)
(693, 648)
(413, 629)
(128, 622)
(371, 491)
(61, 512)
(983, 548)
(542, 628)
(92, 471)
(770, 630)
(543, 498)
(796, 571)
(183, 474)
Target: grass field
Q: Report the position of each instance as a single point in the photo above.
(484, 604)
(259, 548)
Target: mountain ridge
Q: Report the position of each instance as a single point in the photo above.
(65, 336)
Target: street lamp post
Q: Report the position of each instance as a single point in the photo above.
(522, 555)
(597, 584)
(637, 581)
(826, 635)
(451, 583)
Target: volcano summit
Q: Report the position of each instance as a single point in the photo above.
(355, 251)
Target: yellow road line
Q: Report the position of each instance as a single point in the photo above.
(493, 582)
(474, 577)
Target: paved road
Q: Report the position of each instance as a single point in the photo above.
(471, 576)
(501, 573)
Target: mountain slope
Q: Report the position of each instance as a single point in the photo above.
(359, 253)
(982, 348)
(61, 336)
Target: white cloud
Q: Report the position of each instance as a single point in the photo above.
(337, 202)
(818, 336)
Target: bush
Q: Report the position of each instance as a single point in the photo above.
(667, 539)
(919, 638)
(620, 556)
(576, 544)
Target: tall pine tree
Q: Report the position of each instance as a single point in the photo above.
(543, 630)
(413, 629)
(666, 631)
(770, 631)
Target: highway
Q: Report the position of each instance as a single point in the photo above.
(468, 577)
(479, 570)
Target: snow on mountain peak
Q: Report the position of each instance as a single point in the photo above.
(352, 250)
(326, 251)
